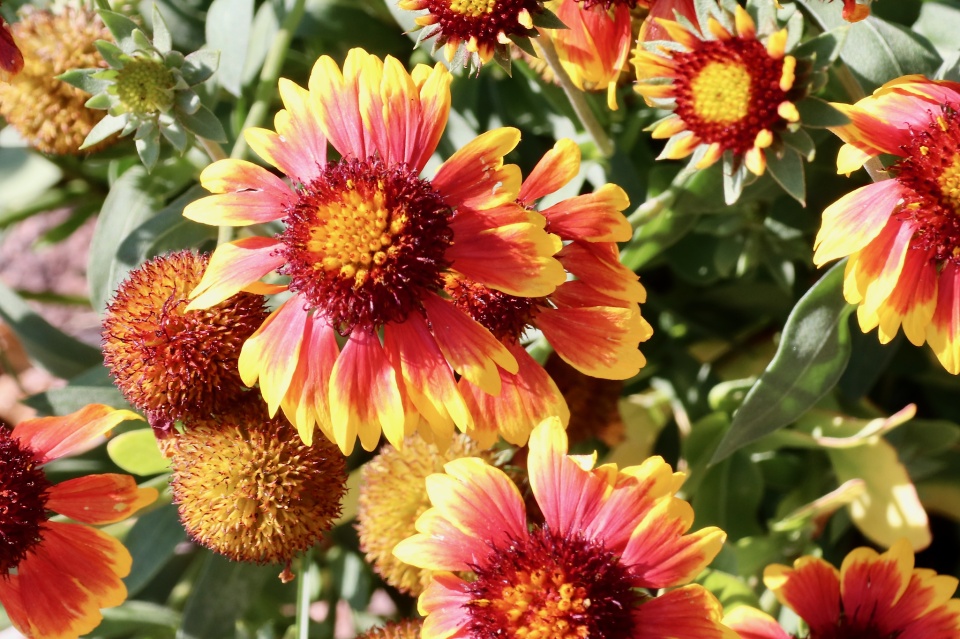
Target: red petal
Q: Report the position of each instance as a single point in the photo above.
(53, 437)
(99, 499)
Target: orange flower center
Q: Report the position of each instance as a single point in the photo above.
(504, 315)
(23, 500)
(171, 364)
(551, 587)
(930, 171)
(728, 91)
(365, 242)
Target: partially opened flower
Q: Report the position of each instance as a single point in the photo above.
(608, 539)
(11, 59)
(872, 595)
(170, 363)
(367, 244)
(483, 29)
(593, 49)
(902, 234)
(56, 576)
(249, 489)
(593, 321)
(49, 113)
(732, 94)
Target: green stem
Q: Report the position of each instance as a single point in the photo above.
(578, 101)
(214, 150)
(652, 207)
(269, 74)
(304, 588)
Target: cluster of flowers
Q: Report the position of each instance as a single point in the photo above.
(392, 304)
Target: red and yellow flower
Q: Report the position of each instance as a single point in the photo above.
(729, 92)
(593, 322)
(593, 49)
(607, 534)
(56, 576)
(483, 28)
(367, 247)
(902, 234)
(872, 595)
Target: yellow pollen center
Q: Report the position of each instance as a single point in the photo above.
(356, 234)
(721, 92)
(541, 605)
(473, 8)
(950, 184)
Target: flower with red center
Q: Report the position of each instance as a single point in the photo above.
(56, 576)
(730, 92)
(609, 537)
(593, 321)
(483, 27)
(366, 248)
(872, 595)
(11, 60)
(170, 363)
(902, 234)
(594, 47)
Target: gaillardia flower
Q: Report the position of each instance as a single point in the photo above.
(171, 363)
(248, 488)
(484, 28)
(366, 248)
(56, 576)
(594, 47)
(48, 113)
(872, 595)
(593, 322)
(608, 537)
(730, 92)
(902, 234)
(393, 495)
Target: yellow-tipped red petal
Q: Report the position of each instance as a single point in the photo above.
(476, 177)
(271, 354)
(365, 396)
(690, 612)
(234, 267)
(53, 437)
(556, 168)
(851, 222)
(592, 217)
(599, 341)
(334, 98)
(99, 499)
(306, 402)
(250, 195)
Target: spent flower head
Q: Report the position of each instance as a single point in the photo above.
(148, 89)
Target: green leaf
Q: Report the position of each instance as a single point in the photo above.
(106, 127)
(92, 386)
(787, 170)
(147, 141)
(813, 353)
(818, 114)
(202, 123)
(167, 231)
(220, 595)
(152, 542)
(46, 345)
(228, 27)
(137, 453)
(25, 177)
(729, 497)
(81, 78)
(200, 65)
(122, 29)
(162, 40)
(140, 619)
(110, 52)
(824, 49)
(801, 141)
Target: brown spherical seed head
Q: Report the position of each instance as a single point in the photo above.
(47, 112)
(172, 364)
(248, 488)
(23, 500)
(393, 495)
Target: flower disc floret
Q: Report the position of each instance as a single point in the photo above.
(145, 86)
(365, 242)
(249, 489)
(23, 487)
(551, 586)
